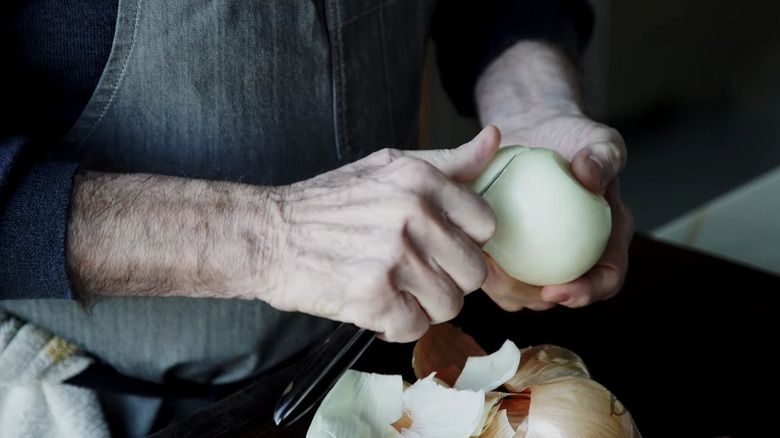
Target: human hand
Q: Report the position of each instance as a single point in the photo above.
(390, 243)
(597, 153)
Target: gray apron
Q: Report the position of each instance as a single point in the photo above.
(262, 92)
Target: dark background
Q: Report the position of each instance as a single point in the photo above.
(693, 87)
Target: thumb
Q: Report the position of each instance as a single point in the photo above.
(466, 162)
(596, 165)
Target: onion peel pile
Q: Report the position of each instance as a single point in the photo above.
(536, 392)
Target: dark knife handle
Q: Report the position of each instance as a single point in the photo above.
(321, 370)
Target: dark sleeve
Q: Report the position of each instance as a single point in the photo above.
(34, 199)
(469, 35)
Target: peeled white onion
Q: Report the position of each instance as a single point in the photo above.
(551, 229)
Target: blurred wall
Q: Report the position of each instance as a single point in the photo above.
(691, 84)
(679, 52)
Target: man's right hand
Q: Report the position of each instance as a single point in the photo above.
(391, 243)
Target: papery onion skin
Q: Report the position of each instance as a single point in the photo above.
(486, 373)
(360, 404)
(550, 395)
(544, 362)
(577, 407)
(444, 349)
(551, 229)
(440, 412)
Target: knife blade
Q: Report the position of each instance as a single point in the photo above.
(320, 371)
(495, 177)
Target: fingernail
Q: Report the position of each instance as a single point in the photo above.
(604, 154)
(596, 171)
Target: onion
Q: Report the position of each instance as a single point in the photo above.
(551, 229)
(549, 393)
(424, 402)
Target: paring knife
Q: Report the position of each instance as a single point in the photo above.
(322, 368)
(320, 371)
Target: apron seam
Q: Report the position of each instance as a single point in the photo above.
(114, 87)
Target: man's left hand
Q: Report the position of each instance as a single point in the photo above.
(597, 153)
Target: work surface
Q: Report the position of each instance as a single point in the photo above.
(685, 346)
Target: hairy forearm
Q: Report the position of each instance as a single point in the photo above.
(148, 235)
(531, 81)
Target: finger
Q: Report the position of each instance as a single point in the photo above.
(435, 195)
(606, 279)
(466, 210)
(466, 162)
(437, 294)
(450, 252)
(600, 283)
(510, 294)
(598, 164)
(406, 321)
(374, 302)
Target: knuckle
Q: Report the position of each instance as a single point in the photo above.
(377, 295)
(477, 279)
(473, 269)
(413, 331)
(415, 203)
(490, 223)
(449, 302)
(408, 323)
(485, 226)
(375, 314)
(398, 253)
(376, 281)
(454, 307)
(416, 168)
(387, 155)
(473, 274)
(419, 330)
(620, 144)
(413, 206)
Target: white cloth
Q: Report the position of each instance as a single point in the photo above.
(33, 400)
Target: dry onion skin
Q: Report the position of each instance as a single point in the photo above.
(545, 362)
(486, 373)
(551, 229)
(424, 401)
(549, 394)
(372, 402)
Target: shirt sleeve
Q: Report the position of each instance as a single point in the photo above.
(468, 38)
(34, 199)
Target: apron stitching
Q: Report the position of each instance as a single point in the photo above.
(340, 81)
(388, 94)
(115, 87)
(334, 81)
(368, 11)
